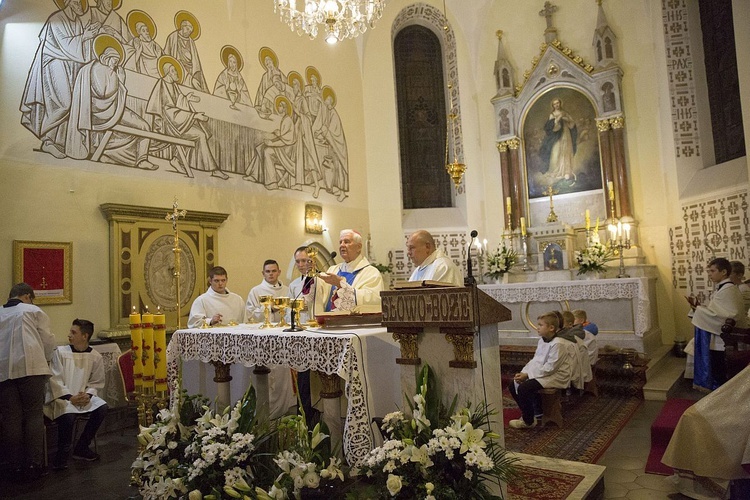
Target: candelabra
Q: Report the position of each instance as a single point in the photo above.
(619, 233)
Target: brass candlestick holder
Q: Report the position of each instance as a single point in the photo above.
(282, 303)
(266, 301)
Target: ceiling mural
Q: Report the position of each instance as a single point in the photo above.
(103, 88)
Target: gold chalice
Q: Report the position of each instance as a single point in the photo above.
(266, 301)
(281, 303)
(297, 305)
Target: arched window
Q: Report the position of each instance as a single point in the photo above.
(422, 116)
(599, 50)
(506, 78)
(608, 48)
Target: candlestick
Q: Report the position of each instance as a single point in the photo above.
(160, 351)
(523, 226)
(148, 350)
(136, 347)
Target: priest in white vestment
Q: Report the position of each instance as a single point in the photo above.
(218, 305)
(77, 378)
(354, 283)
(711, 444)
(432, 263)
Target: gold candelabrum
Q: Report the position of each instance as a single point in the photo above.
(266, 301)
(619, 233)
(282, 303)
(552, 217)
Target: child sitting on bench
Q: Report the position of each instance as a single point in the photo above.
(551, 368)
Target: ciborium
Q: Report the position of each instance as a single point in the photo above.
(282, 303)
(266, 301)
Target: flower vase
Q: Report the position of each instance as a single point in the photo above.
(501, 280)
(591, 275)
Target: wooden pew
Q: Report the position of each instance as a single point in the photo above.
(736, 359)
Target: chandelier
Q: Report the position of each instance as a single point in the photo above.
(338, 19)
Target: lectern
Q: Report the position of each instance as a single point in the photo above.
(454, 330)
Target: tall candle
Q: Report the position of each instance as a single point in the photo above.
(626, 227)
(611, 188)
(136, 347)
(148, 350)
(588, 220)
(160, 351)
(507, 205)
(523, 226)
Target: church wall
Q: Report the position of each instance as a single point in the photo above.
(46, 199)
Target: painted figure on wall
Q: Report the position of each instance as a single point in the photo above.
(273, 164)
(65, 46)
(99, 97)
(181, 45)
(270, 62)
(561, 143)
(278, 89)
(332, 144)
(306, 156)
(174, 115)
(230, 84)
(104, 13)
(313, 91)
(145, 50)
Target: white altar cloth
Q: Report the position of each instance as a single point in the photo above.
(363, 357)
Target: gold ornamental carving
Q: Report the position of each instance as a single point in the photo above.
(566, 51)
(409, 343)
(463, 350)
(602, 125)
(331, 385)
(221, 371)
(514, 143)
(617, 122)
(502, 146)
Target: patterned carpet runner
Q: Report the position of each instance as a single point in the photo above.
(590, 426)
(542, 484)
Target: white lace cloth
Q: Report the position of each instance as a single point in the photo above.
(602, 289)
(323, 350)
(113, 392)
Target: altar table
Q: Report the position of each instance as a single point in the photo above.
(625, 309)
(363, 357)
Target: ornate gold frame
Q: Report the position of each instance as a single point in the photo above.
(46, 250)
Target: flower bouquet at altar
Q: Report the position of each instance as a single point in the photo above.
(305, 464)
(193, 452)
(500, 262)
(593, 258)
(437, 453)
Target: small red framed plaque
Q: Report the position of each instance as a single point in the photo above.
(46, 266)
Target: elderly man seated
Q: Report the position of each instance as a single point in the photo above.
(355, 282)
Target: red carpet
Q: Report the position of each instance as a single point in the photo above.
(661, 432)
(542, 484)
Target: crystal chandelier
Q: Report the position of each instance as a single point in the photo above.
(338, 19)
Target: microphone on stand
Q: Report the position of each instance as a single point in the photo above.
(469, 280)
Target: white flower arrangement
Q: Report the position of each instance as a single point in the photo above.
(419, 462)
(199, 455)
(500, 261)
(592, 258)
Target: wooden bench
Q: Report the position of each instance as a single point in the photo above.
(551, 406)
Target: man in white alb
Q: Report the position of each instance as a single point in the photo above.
(301, 287)
(269, 286)
(355, 282)
(432, 263)
(218, 305)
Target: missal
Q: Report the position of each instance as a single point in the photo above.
(402, 285)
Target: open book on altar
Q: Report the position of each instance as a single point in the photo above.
(360, 315)
(402, 285)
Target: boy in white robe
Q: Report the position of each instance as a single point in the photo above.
(77, 376)
(551, 368)
(218, 305)
(269, 286)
